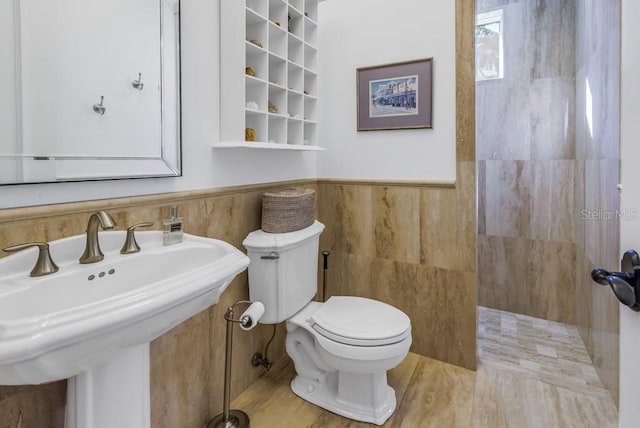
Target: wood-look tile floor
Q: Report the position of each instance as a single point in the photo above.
(431, 393)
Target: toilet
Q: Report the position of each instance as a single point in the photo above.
(342, 348)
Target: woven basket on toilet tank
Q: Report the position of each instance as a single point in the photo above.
(288, 210)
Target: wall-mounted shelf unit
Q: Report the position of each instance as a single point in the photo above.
(266, 146)
(269, 74)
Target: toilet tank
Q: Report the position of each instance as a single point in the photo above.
(283, 271)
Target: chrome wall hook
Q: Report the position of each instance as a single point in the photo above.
(99, 108)
(138, 83)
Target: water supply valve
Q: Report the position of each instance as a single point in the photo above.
(625, 284)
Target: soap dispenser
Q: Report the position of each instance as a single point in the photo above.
(172, 228)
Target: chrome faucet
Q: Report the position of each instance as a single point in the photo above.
(92, 251)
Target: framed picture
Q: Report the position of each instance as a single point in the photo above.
(395, 96)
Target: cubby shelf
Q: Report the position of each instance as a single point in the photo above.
(276, 41)
(265, 146)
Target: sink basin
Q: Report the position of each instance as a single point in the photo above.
(57, 326)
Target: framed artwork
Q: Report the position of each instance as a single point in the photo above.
(395, 96)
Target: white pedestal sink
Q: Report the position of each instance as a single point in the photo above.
(93, 323)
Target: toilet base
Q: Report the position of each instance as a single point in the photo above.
(326, 395)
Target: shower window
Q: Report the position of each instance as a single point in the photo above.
(489, 51)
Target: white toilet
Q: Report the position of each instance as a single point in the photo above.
(342, 348)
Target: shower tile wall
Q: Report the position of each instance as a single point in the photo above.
(597, 174)
(526, 164)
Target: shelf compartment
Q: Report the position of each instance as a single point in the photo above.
(311, 10)
(257, 31)
(310, 137)
(294, 132)
(278, 97)
(256, 58)
(277, 130)
(310, 109)
(294, 106)
(310, 58)
(277, 70)
(278, 13)
(258, 7)
(257, 121)
(310, 32)
(297, 4)
(277, 40)
(256, 91)
(295, 77)
(296, 50)
(296, 23)
(254, 18)
(310, 83)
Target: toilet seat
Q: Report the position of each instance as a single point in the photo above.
(358, 321)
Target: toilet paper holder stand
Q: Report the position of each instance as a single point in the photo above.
(232, 418)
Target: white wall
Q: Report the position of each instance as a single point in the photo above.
(353, 33)
(202, 166)
(630, 200)
(360, 33)
(7, 82)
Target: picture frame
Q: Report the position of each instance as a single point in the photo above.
(395, 96)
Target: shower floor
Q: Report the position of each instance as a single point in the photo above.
(547, 351)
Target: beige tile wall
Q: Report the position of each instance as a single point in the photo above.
(408, 246)
(187, 363)
(382, 239)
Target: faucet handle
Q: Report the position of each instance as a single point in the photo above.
(44, 265)
(130, 245)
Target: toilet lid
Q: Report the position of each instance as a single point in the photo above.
(360, 321)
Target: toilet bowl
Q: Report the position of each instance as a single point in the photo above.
(345, 370)
(342, 348)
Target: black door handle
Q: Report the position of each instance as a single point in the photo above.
(626, 284)
(623, 290)
(600, 275)
(630, 261)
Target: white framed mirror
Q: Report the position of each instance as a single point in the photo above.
(89, 90)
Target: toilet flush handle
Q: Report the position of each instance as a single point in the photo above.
(271, 256)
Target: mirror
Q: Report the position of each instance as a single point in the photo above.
(89, 90)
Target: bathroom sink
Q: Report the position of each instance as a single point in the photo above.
(57, 326)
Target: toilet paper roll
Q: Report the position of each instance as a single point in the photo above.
(251, 316)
